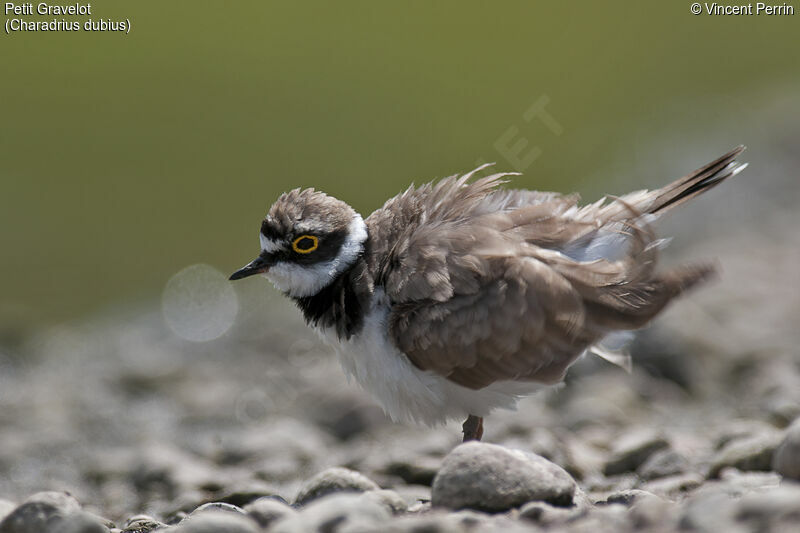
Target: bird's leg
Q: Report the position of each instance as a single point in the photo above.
(473, 428)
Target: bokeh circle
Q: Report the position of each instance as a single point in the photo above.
(199, 304)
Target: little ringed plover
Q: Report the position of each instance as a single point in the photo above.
(459, 297)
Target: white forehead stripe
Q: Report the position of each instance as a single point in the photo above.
(270, 245)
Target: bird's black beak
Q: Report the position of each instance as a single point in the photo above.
(256, 266)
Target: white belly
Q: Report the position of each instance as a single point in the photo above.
(404, 391)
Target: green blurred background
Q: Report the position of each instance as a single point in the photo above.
(128, 157)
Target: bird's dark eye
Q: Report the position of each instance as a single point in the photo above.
(305, 244)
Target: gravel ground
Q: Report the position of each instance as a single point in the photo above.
(126, 426)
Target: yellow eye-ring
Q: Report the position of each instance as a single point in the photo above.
(305, 244)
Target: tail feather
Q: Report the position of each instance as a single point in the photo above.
(697, 182)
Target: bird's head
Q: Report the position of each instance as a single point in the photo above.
(307, 240)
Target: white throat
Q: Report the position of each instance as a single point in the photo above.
(299, 281)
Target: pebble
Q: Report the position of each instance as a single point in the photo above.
(413, 494)
(455, 522)
(674, 487)
(612, 517)
(545, 514)
(583, 459)
(346, 415)
(628, 497)
(415, 470)
(64, 501)
(5, 508)
(420, 507)
(632, 450)
(492, 478)
(176, 509)
(710, 512)
(176, 518)
(650, 511)
(337, 512)
(736, 483)
(390, 499)
(242, 493)
(786, 460)
(218, 507)
(663, 463)
(749, 453)
(467, 520)
(285, 441)
(742, 429)
(267, 511)
(41, 512)
(771, 510)
(165, 469)
(333, 480)
(599, 487)
(81, 522)
(216, 522)
(142, 524)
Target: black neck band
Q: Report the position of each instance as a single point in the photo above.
(342, 304)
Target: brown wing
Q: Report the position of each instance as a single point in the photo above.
(525, 322)
(518, 291)
(499, 308)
